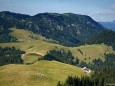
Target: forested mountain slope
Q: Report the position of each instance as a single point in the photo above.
(106, 37)
(68, 28)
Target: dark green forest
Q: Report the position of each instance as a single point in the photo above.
(4, 31)
(103, 77)
(10, 56)
(106, 37)
(61, 56)
(97, 64)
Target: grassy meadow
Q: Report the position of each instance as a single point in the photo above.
(26, 75)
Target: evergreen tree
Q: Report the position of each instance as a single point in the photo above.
(10, 56)
(61, 56)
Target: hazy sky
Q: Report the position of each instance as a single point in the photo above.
(100, 10)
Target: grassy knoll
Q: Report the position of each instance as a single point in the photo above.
(25, 75)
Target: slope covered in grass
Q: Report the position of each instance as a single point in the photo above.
(30, 75)
(31, 57)
(38, 46)
(27, 36)
(89, 52)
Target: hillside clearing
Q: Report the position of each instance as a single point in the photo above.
(25, 35)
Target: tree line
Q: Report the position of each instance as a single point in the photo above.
(106, 37)
(67, 57)
(97, 64)
(61, 56)
(102, 77)
(10, 56)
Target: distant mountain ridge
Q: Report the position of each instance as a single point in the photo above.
(68, 28)
(109, 25)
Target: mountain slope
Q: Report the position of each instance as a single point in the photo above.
(106, 37)
(26, 36)
(37, 46)
(68, 28)
(42, 73)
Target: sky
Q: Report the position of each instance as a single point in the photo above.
(99, 10)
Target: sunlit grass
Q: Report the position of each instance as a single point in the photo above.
(25, 75)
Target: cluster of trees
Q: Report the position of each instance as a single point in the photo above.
(109, 62)
(4, 31)
(83, 81)
(104, 73)
(10, 56)
(97, 64)
(61, 56)
(5, 37)
(102, 77)
(67, 57)
(106, 37)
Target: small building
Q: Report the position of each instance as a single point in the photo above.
(86, 70)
